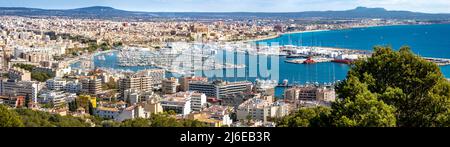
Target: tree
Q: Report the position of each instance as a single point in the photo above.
(27, 100)
(306, 117)
(138, 122)
(73, 106)
(164, 120)
(193, 123)
(362, 109)
(416, 88)
(390, 88)
(249, 118)
(31, 118)
(9, 118)
(91, 109)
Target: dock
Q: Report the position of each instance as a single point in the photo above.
(316, 60)
(438, 61)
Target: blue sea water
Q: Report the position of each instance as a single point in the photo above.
(426, 40)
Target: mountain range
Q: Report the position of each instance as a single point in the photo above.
(108, 12)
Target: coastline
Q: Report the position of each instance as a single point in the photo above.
(310, 31)
(281, 34)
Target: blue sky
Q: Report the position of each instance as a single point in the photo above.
(430, 6)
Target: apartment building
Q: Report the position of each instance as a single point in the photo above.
(19, 74)
(220, 89)
(169, 86)
(91, 85)
(184, 81)
(310, 93)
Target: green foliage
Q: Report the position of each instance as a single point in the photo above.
(139, 122)
(306, 117)
(192, 123)
(91, 108)
(73, 106)
(92, 47)
(164, 120)
(35, 75)
(415, 87)
(33, 118)
(167, 120)
(47, 105)
(27, 67)
(110, 123)
(111, 84)
(362, 109)
(117, 44)
(391, 88)
(40, 76)
(9, 118)
(5, 75)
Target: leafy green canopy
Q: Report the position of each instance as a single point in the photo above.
(391, 88)
(9, 118)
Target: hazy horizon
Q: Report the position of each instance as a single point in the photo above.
(269, 6)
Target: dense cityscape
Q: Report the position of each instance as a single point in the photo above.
(39, 78)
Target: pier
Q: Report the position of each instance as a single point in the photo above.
(438, 61)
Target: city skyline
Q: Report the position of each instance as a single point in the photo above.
(438, 6)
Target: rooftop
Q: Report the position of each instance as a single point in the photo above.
(255, 103)
(108, 109)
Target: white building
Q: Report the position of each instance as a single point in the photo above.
(132, 112)
(106, 112)
(198, 101)
(169, 86)
(220, 113)
(57, 98)
(134, 96)
(72, 87)
(55, 84)
(280, 109)
(255, 108)
(120, 114)
(179, 102)
(50, 51)
(21, 88)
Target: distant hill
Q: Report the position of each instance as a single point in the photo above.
(108, 12)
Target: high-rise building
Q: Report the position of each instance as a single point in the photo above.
(134, 82)
(36, 57)
(19, 74)
(73, 87)
(180, 103)
(169, 86)
(91, 85)
(153, 105)
(55, 84)
(198, 101)
(265, 87)
(310, 93)
(220, 89)
(156, 76)
(255, 109)
(143, 81)
(184, 82)
(21, 88)
(13, 101)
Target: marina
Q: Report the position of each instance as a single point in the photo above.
(330, 70)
